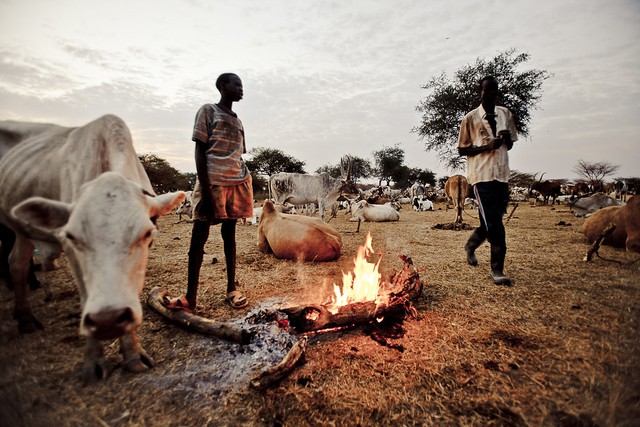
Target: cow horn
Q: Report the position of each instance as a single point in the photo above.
(348, 168)
(540, 180)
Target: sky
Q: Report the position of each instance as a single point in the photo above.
(324, 78)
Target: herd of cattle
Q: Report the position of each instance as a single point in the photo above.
(94, 202)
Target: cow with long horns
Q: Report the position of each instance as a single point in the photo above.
(548, 189)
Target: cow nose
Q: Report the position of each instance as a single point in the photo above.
(109, 324)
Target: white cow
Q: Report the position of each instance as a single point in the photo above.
(186, 207)
(300, 189)
(364, 211)
(83, 191)
(422, 204)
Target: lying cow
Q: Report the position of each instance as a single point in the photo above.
(625, 218)
(94, 201)
(422, 204)
(588, 205)
(365, 211)
(297, 237)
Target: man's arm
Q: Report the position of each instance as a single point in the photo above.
(473, 150)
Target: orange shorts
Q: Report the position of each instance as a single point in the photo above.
(229, 202)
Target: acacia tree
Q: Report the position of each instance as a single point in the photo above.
(269, 161)
(387, 162)
(594, 172)
(360, 168)
(443, 109)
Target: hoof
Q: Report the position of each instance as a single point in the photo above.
(93, 373)
(138, 365)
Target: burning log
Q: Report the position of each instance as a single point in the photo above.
(196, 323)
(317, 317)
(276, 373)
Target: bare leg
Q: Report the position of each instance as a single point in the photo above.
(229, 239)
(199, 236)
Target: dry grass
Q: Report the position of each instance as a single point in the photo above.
(558, 348)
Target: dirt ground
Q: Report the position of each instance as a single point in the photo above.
(560, 348)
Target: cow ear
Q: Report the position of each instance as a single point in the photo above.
(165, 203)
(40, 215)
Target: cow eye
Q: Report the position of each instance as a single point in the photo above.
(70, 237)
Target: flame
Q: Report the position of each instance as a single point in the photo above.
(363, 284)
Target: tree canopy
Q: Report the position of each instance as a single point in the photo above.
(387, 162)
(269, 161)
(450, 99)
(360, 168)
(164, 177)
(594, 172)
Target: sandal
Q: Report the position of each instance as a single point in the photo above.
(236, 299)
(179, 303)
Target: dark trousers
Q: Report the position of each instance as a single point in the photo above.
(493, 198)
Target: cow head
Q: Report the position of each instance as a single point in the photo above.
(631, 221)
(106, 234)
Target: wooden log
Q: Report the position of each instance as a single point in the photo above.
(315, 317)
(276, 373)
(196, 323)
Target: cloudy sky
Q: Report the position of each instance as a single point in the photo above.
(323, 78)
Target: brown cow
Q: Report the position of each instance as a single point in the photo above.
(296, 237)
(546, 189)
(626, 219)
(456, 189)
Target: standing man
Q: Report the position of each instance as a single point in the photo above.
(223, 192)
(486, 135)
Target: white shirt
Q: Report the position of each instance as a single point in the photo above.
(475, 131)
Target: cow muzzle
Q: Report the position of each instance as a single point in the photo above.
(109, 324)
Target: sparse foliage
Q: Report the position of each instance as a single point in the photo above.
(443, 109)
(594, 172)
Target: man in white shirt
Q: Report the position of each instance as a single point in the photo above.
(486, 135)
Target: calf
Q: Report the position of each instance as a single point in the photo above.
(94, 201)
(625, 218)
(186, 207)
(296, 237)
(421, 204)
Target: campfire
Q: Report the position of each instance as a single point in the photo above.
(362, 284)
(365, 297)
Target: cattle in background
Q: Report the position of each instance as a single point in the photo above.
(422, 204)
(83, 190)
(626, 219)
(621, 189)
(300, 189)
(580, 189)
(365, 211)
(416, 190)
(456, 189)
(295, 237)
(587, 205)
(548, 189)
(186, 207)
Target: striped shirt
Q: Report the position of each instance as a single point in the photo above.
(224, 135)
(476, 131)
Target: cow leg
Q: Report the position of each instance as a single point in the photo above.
(19, 261)
(7, 238)
(135, 357)
(199, 236)
(94, 366)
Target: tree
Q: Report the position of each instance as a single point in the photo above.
(387, 162)
(269, 161)
(360, 168)
(594, 172)
(164, 178)
(423, 176)
(520, 179)
(443, 109)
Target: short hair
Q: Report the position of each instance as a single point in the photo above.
(224, 78)
(488, 78)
